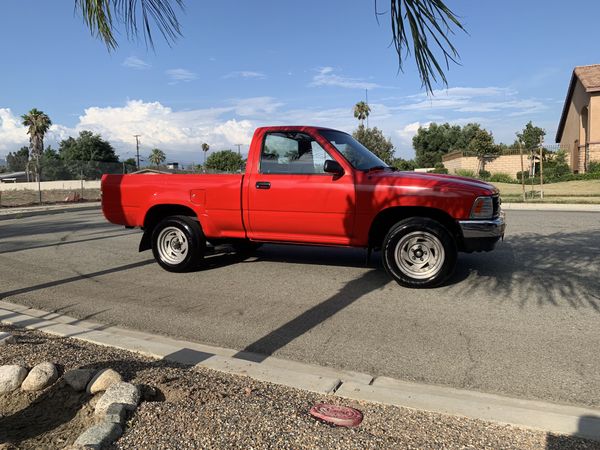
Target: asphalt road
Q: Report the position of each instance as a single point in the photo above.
(523, 320)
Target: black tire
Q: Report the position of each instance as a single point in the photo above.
(419, 253)
(169, 238)
(245, 246)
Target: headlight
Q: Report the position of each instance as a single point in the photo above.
(483, 208)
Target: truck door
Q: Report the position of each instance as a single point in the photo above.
(292, 199)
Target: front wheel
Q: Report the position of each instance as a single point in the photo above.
(178, 243)
(419, 253)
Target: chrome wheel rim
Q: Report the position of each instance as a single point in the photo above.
(173, 245)
(420, 255)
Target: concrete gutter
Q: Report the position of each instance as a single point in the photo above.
(548, 417)
(17, 213)
(575, 207)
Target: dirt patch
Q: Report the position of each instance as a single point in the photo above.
(200, 408)
(31, 197)
(48, 419)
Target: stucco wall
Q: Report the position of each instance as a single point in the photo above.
(579, 100)
(510, 164)
(49, 185)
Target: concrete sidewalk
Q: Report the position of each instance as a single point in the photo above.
(18, 212)
(549, 417)
(574, 207)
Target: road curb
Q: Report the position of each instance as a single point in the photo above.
(571, 207)
(17, 213)
(548, 417)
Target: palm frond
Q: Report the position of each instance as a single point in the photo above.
(103, 17)
(420, 27)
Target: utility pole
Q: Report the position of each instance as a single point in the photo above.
(239, 149)
(137, 149)
(542, 167)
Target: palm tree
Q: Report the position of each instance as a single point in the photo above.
(361, 111)
(157, 157)
(205, 148)
(37, 123)
(418, 27)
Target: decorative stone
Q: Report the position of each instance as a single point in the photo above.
(6, 338)
(99, 436)
(103, 380)
(125, 393)
(78, 379)
(116, 413)
(41, 376)
(11, 377)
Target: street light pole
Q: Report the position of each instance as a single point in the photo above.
(239, 147)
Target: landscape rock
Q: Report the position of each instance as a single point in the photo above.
(11, 377)
(40, 377)
(6, 338)
(99, 436)
(116, 413)
(78, 379)
(103, 380)
(126, 394)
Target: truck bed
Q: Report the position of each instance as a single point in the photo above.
(216, 199)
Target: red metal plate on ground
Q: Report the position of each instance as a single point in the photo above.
(341, 416)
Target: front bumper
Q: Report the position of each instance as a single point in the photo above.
(482, 235)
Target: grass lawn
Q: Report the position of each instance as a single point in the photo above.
(565, 192)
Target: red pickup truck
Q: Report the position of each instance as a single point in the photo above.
(312, 186)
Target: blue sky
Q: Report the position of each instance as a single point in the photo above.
(245, 64)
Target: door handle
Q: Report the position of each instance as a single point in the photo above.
(263, 185)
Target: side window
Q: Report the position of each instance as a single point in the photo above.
(293, 153)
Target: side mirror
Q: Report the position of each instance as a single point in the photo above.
(333, 167)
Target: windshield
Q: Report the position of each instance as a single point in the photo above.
(355, 153)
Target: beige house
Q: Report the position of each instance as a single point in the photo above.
(579, 127)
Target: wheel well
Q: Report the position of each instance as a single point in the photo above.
(159, 212)
(388, 217)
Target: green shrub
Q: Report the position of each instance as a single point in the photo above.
(465, 173)
(501, 178)
(484, 175)
(594, 167)
(439, 168)
(524, 174)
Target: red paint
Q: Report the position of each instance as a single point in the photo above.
(303, 208)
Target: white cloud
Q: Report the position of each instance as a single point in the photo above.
(133, 62)
(12, 134)
(236, 132)
(326, 77)
(246, 74)
(177, 75)
(474, 99)
(407, 133)
(257, 106)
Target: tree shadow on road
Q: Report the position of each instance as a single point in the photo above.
(561, 269)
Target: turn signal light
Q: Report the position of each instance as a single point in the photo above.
(483, 208)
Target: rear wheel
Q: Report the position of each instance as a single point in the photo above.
(419, 252)
(178, 243)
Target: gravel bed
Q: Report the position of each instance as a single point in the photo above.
(201, 408)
